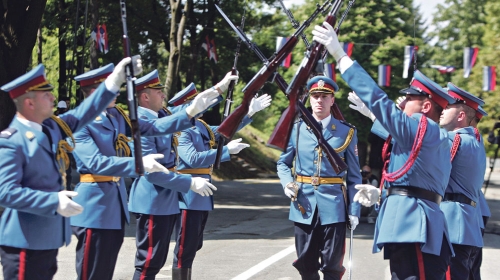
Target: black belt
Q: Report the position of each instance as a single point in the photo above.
(415, 192)
(458, 197)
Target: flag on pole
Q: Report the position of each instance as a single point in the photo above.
(384, 75)
(209, 46)
(410, 53)
(102, 38)
(489, 78)
(280, 42)
(329, 71)
(347, 47)
(470, 56)
(444, 69)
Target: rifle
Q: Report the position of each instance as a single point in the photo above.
(294, 22)
(281, 134)
(229, 97)
(229, 126)
(131, 95)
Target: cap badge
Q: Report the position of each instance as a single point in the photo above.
(321, 83)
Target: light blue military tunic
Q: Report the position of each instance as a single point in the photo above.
(467, 176)
(160, 198)
(404, 219)
(106, 202)
(30, 179)
(327, 197)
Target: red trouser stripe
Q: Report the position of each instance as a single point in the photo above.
(448, 274)
(420, 259)
(86, 253)
(22, 264)
(182, 239)
(150, 248)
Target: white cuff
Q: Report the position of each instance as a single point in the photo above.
(110, 86)
(344, 63)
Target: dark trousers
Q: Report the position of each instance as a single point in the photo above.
(408, 262)
(190, 237)
(152, 240)
(25, 264)
(476, 260)
(320, 242)
(461, 264)
(97, 252)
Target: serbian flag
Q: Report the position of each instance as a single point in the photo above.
(209, 46)
(102, 38)
(280, 42)
(410, 54)
(444, 69)
(329, 71)
(384, 75)
(470, 56)
(489, 78)
(347, 47)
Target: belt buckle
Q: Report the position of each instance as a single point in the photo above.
(315, 181)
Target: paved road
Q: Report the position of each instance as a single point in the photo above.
(249, 236)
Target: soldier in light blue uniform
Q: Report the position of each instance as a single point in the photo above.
(196, 157)
(102, 160)
(411, 227)
(157, 205)
(318, 207)
(35, 224)
(468, 159)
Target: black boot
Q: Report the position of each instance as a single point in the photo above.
(183, 273)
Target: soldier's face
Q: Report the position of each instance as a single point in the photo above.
(43, 104)
(156, 97)
(321, 104)
(449, 117)
(413, 104)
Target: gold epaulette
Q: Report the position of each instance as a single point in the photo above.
(125, 116)
(63, 148)
(348, 140)
(121, 146)
(210, 132)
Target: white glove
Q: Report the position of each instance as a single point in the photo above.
(202, 102)
(201, 186)
(224, 84)
(259, 103)
(151, 165)
(328, 37)
(354, 221)
(359, 106)
(291, 189)
(68, 207)
(401, 102)
(367, 194)
(118, 76)
(235, 146)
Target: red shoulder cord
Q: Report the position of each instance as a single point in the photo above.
(454, 146)
(415, 149)
(476, 132)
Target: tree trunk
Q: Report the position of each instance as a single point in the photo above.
(170, 81)
(19, 23)
(39, 39)
(62, 90)
(94, 20)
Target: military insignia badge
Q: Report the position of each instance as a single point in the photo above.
(30, 135)
(321, 83)
(333, 127)
(98, 118)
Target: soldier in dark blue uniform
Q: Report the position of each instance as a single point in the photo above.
(318, 207)
(411, 227)
(35, 224)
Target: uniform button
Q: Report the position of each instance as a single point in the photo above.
(171, 151)
(315, 161)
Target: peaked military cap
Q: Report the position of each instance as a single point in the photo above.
(151, 80)
(95, 76)
(322, 84)
(184, 95)
(34, 80)
(421, 85)
(462, 96)
(480, 112)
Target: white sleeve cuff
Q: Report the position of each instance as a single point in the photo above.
(344, 63)
(111, 86)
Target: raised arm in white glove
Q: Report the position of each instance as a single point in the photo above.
(151, 165)
(115, 80)
(367, 194)
(259, 103)
(202, 187)
(291, 189)
(359, 106)
(354, 221)
(68, 207)
(235, 146)
(328, 37)
(224, 84)
(202, 102)
(401, 102)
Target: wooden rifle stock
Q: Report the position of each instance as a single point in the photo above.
(131, 95)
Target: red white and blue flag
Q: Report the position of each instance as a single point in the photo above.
(470, 56)
(209, 46)
(348, 47)
(329, 71)
(410, 54)
(280, 42)
(489, 78)
(444, 69)
(102, 38)
(384, 75)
